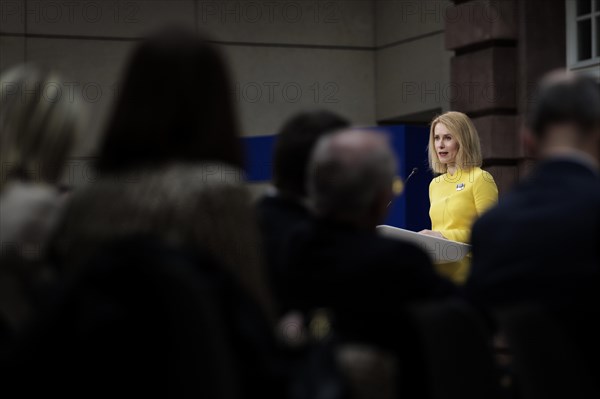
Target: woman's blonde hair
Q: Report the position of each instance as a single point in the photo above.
(38, 125)
(463, 130)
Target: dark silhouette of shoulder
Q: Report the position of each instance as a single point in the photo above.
(337, 261)
(277, 218)
(364, 279)
(541, 241)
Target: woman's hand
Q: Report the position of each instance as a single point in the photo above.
(432, 233)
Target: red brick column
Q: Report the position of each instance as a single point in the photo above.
(502, 47)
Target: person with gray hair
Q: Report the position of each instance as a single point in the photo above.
(351, 177)
(338, 261)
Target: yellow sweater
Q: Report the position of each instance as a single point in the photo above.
(456, 202)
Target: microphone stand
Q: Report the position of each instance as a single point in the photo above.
(414, 170)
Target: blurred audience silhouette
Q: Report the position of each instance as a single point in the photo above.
(536, 256)
(338, 261)
(283, 210)
(169, 164)
(541, 242)
(38, 129)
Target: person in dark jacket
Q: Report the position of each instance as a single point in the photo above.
(145, 318)
(284, 209)
(338, 261)
(541, 242)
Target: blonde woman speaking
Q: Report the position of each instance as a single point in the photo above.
(462, 191)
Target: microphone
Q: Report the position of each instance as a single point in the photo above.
(412, 172)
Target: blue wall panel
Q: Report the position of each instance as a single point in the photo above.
(417, 188)
(397, 211)
(258, 151)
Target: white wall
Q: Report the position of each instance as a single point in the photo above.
(412, 65)
(309, 53)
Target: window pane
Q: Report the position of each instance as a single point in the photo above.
(584, 7)
(597, 5)
(584, 39)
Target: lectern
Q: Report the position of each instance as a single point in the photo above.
(439, 250)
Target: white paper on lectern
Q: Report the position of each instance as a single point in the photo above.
(439, 250)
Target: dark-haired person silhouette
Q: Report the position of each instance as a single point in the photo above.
(281, 211)
(169, 167)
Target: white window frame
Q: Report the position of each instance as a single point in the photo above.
(591, 66)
